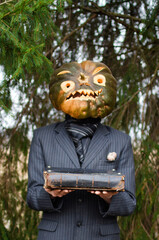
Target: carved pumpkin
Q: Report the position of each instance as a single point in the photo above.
(83, 90)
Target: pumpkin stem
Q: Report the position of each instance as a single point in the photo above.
(82, 76)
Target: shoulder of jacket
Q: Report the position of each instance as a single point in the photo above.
(46, 129)
(118, 134)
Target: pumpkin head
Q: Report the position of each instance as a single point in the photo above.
(83, 90)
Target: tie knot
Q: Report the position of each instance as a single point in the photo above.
(79, 131)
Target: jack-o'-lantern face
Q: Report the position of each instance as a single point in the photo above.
(83, 90)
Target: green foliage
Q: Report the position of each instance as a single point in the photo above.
(38, 36)
(24, 30)
(143, 223)
(150, 22)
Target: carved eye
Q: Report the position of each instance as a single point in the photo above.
(99, 80)
(67, 86)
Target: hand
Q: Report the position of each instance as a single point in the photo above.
(105, 195)
(58, 192)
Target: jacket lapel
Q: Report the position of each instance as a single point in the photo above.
(97, 143)
(66, 143)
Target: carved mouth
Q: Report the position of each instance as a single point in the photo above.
(84, 94)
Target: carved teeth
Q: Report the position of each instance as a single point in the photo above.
(84, 91)
(97, 93)
(84, 94)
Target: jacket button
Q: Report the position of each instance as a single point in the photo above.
(79, 224)
(80, 200)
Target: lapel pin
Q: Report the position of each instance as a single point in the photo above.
(111, 156)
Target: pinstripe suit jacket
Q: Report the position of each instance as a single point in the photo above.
(79, 215)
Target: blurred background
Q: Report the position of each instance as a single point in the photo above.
(38, 36)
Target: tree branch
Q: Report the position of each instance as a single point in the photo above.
(145, 230)
(118, 14)
(5, 2)
(114, 16)
(70, 34)
(147, 86)
(147, 91)
(22, 114)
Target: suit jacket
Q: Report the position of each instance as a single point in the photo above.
(79, 214)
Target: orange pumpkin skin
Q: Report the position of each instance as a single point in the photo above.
(83, 90)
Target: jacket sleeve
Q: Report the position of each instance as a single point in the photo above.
(37, 197)
(123, 203)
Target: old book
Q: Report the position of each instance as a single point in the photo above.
(83, 179)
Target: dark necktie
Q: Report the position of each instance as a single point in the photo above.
(79, 129)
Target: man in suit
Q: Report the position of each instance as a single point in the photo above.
(85, 92)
